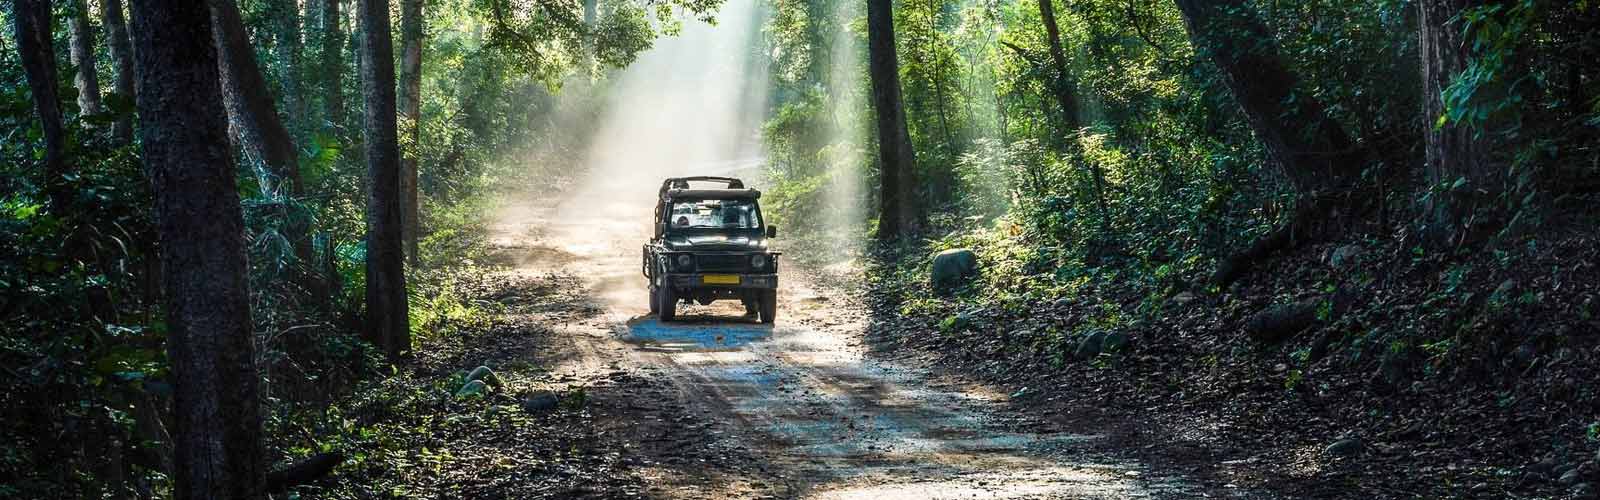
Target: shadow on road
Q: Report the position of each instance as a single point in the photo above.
(694, 333)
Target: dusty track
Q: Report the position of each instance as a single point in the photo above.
(795, 410)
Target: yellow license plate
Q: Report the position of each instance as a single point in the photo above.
(720, 279)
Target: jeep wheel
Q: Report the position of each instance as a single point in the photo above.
(768, 300)
(668, 303)
(655, 304)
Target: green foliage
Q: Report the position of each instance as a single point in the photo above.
(83, 333)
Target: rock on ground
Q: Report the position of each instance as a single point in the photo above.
(953, 268)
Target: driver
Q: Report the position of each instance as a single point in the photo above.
(683, 221)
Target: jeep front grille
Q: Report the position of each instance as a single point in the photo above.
(722, 263)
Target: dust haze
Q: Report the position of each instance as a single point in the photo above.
(691, 105)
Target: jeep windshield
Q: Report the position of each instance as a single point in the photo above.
(715, 214)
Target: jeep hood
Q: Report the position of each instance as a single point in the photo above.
(716, 242)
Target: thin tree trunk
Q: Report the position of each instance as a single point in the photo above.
(937, 79)
(122, 58)
(254, 120)
(1313, 151)
(35, 47)
(332, 63)
(387, 322)
(899, 214)
(411, 111)
(251, 113)
(210, 344)
(82, 47)
(589, 45)
(1058, 57)
(286, 27)
(1452, 152)
(1066, 96)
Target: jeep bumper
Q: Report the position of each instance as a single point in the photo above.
(721, 280)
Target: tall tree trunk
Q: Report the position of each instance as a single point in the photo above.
(1313, 151)
(210, 344)
(288, 46)
(253, 119)
(1066, 96)
(252, 115)
(35, 47)
(122, 58)
(411, 111)
(332, 62)
(1452, 152)
(387, 322)
(81, 43)
(899, 213)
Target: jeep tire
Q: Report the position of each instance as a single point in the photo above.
(768, 302)
(668, 303)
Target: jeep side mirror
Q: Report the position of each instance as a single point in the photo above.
(772, 231)
(661, 228)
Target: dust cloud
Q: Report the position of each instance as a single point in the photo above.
(691, 105)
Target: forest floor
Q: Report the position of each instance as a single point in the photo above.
(1463, 376)
(846, 397)
(601, 400)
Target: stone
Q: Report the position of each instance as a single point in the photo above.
(1280, 322)
(1547, 465)
(486, 375)
(1525, 353)
(1345, 255)
(472, 388)
(1184, 298)
(953, 269)
(1114, 342)
(1395, 368)
(1089, 346)
(540, 401)
(1503, 292)
(1343, 448)
(1570, 477)
(1583, 491)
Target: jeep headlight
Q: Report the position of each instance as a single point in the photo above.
(684, 262)
(758, 261)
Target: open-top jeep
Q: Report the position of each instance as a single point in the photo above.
(711, 244)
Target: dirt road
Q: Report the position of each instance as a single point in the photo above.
(719, 406)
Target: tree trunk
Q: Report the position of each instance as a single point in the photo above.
(1066, 95)
(1058, 57)
(122, 58)
(252, 116)
(411, 111)
(387, 322)
(81, 43)
(35, 47)
(899, 214)
(286, 27)
(1452, 153)
(254, 120)
(210, 344)
(1313, 151)
(332, 62)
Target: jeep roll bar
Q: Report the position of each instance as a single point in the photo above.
(683, 182)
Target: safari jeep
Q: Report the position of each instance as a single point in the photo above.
(711, 244)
